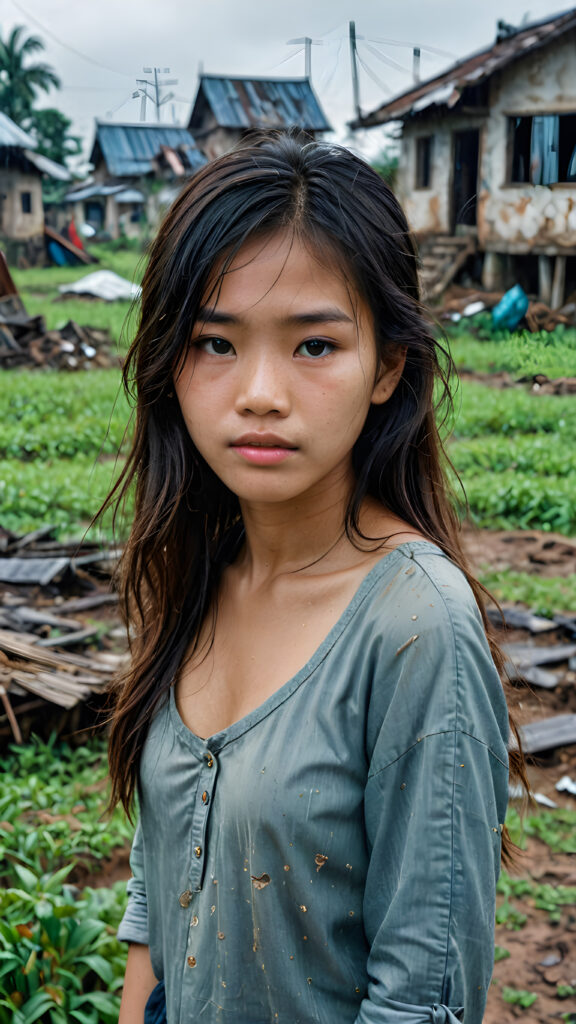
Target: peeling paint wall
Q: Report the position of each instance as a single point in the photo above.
(527, 218)
(427, 209)
(15, 223)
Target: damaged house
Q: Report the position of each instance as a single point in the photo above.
(488, 161)
(22, 226)
(227, 109)
(138, 169)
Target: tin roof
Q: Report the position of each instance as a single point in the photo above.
(12, 135)
(258, 103)
(129, 150)
(444, 90)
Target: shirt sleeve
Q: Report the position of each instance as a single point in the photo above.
(134, 924)
(434, 806)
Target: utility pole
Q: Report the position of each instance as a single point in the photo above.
(416, 63)
(308, 57)
(156, 85)
(307, 42)
(355, 85)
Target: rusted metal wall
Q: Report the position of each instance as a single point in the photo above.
(527, 218)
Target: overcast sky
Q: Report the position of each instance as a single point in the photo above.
(99, 47)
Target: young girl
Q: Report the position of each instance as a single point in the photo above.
(312, 719)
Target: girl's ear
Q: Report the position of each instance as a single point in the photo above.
(388, 376)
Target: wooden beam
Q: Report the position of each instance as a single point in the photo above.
(558, 283)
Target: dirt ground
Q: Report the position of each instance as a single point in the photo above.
(542, 954)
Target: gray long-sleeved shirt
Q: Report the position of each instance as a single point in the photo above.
(332, 857)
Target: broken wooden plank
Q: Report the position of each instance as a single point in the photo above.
(558, 731)
(525, 655)
(79, 636)
(66, 662)
(532, 675)
(519, 618)
(86, 604)
(32, 570)
(39, 617)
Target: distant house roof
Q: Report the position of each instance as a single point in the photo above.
(130, 150)
(258, 103)
(12, 135)
(445, 90)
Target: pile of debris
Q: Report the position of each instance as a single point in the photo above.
(459, 303)
(61, 640)
(25, 340)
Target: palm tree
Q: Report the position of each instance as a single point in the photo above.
(19, 81)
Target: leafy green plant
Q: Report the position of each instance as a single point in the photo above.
(59, 958)
(565, 991)
(474, 346)
(518, 997)
(556, 828)
(500, 953)
(51, 809)
(544, 595)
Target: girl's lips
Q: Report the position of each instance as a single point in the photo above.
(263, 454)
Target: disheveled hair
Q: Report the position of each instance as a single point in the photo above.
(187, 524)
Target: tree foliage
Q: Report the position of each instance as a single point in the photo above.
(20, 81)
(51, 129)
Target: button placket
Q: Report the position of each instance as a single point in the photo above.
(200, 815)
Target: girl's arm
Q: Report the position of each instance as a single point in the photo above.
(138, 984)
(434, 805)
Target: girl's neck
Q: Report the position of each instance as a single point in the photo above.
(282, 540)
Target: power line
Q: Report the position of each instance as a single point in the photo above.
(373, 76)
(386, 60)
(48, 32)
(429, 49)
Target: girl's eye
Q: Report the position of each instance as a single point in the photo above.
(216, 346)
(315, 348)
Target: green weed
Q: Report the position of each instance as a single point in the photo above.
(518, 997)
(543, 595)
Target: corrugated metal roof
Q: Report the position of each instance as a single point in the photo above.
(445, 89)
(47, 166)
(259, 103)
(130, 149)
(12, 135)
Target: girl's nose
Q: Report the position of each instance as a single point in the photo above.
(263, 388)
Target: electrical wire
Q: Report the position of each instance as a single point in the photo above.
(386, 60)
(419, 46)
(371, 74)
(83, 56)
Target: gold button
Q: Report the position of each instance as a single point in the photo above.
(204, 797)
(185, 898)
(209, 760)
(191, 961)
(198, 851)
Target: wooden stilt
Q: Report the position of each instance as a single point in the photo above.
(558, 283)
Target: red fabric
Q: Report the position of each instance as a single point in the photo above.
(74, 236)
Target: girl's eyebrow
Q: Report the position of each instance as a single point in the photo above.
(331, 314)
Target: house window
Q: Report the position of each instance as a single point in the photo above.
(424, 161)
(542, 148)
(26, 202)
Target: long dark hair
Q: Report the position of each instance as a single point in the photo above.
(186, 521)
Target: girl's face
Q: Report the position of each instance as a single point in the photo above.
(280, 374)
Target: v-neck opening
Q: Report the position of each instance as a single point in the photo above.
(216, 741)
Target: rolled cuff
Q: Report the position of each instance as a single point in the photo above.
(389, 1011)
(134, 925)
